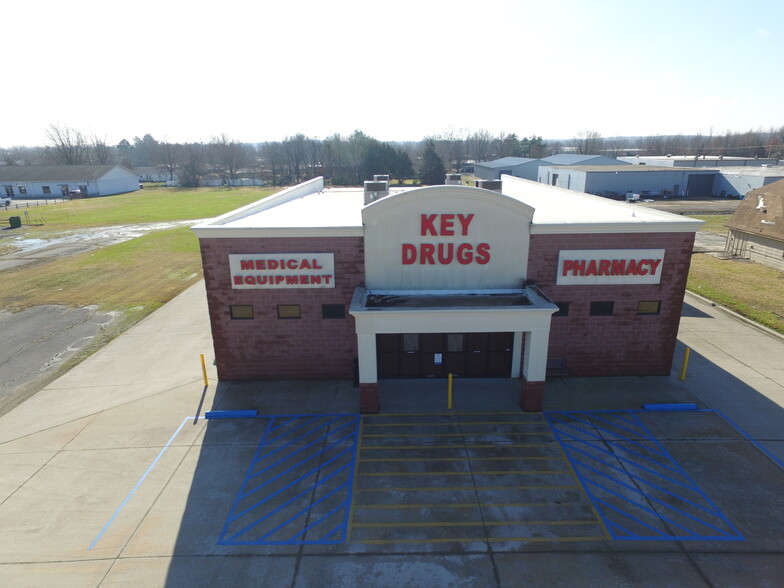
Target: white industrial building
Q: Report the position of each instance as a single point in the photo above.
(699, 161)
(56, 181)
(614, 181)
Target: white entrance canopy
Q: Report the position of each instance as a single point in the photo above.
(525, 312)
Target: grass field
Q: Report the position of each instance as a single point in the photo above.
(749, 289)
(144, 206)
(714, 223)
(133, 278)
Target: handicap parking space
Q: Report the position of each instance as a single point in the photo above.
(297, 488)
(461, 482)
(639, 489)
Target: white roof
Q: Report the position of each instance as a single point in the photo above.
(311, 210)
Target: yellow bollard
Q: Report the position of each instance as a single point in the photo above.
(204, 371)
(685, 363)
(449, 394)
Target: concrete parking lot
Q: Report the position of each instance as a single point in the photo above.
(110, 479)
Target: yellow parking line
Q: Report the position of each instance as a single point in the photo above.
(466, 473)
(467, 505)
(486, 540)
(427, 414)
(453, 424)
(490, 446)
(468, 488)
(462, 459)
(353, 488)
(472, 524)
(449, 435)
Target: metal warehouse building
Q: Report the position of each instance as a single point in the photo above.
(312, 283)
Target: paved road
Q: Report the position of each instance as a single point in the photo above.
(37, 341)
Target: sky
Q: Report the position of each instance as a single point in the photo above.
(397, 70)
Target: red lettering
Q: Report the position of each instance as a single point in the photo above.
(246, 264)
(464, 222)
(315, 279)
(568, 266)
(261, 264)
(465, 253)
(305, 264)
(291, 264)
(427, 225)
(618, 267)
(604, 267)
(426, 251)
(237, 280)
(304, 280)
(326, 279)
(316, 265)
(591, 271)
(447, 224)
(631, 269)
(250, 280)
(579, 268)
(641, 269)
(655, 265)
(409, 253)
(272, 264)
(446, 258)
(482, 252)
(278, 279)
(292, 279)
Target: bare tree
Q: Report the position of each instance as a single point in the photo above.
(102, 153)
(478, 145)
(229, 156)
(588, 143)
(68, 146)
(169, 155)
(615, 146)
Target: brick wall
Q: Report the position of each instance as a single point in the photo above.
(625, 343)
(271, 348)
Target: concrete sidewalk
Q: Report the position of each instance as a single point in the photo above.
(70, 455)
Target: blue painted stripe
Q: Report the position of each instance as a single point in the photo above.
(230, 414)
(139, 483)
(751, 440)
(301, 449)
(599, 438)
(672, 406)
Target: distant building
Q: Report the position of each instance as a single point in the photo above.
(577, 159)
(155, 174)
(614, 181)
(57, 181)
(519, 167)
(756, 229)
(698, 161)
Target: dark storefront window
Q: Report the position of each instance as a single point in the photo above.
(602, 308)
(333, 311)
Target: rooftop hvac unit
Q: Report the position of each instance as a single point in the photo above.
(494, 185)
(381, 178)
(375, 191)
(454, 179)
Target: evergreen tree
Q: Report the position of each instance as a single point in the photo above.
(433, 171)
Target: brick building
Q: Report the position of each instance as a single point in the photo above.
(322, 284)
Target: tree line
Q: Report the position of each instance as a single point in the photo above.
(348, 160)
